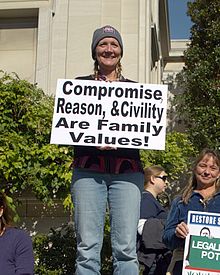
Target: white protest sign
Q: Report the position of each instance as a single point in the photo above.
(202, 245)
(118, 114)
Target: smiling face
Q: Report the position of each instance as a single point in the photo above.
(207, 171)
(108, 54)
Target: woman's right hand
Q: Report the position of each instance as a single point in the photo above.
(182, 230)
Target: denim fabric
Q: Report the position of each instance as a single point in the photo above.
(91, 193)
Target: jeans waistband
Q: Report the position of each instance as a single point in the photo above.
(113, 165)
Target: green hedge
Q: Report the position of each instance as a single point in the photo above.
(55, 253)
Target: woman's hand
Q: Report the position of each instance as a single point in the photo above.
(182, 230)
(102, 148)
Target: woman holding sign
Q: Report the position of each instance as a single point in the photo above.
(202, 193)
(106, 176)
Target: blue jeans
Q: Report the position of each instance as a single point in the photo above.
(91, 192)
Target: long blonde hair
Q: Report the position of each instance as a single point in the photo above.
(97, 72)
(192, 183)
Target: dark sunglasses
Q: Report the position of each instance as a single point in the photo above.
(164, 178)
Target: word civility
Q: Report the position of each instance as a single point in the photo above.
(121, 114)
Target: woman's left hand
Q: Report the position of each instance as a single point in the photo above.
(182, 230)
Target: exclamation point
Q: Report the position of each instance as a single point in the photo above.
(146, 141)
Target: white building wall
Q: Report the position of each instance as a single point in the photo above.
(61, 43)
(18, 50)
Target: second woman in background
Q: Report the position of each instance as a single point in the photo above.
(152, 253)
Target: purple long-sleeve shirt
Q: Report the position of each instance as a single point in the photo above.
(16, 253)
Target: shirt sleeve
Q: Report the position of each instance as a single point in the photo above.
(141, 223)
(24, 258)
(169, 237)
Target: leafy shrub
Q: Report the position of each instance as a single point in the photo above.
(27, 159)
(176, 159)
(55, 253)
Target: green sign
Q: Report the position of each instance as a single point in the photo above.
(204, 252)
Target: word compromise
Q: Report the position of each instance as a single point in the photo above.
(102, 91)
(124, 109)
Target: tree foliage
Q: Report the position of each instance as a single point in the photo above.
(55, 253)
(199, 105)
(27, 159)
(176, 159)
